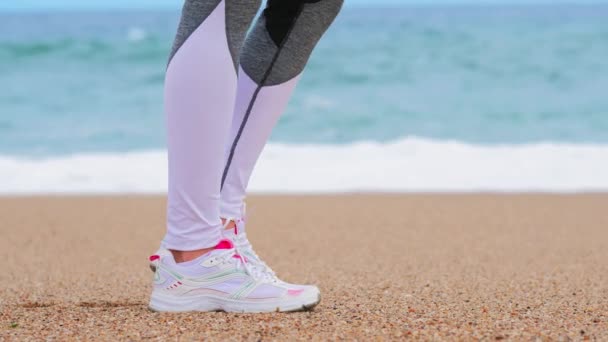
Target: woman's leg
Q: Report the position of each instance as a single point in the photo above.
(200, 90)
(275, 55)
(272, 59)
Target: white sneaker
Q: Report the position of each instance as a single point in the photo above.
(238, 236)
(223, 280)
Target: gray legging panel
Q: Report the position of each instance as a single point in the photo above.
(239, 15)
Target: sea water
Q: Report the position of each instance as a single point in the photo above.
(458, 98)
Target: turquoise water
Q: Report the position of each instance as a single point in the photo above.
(92, 82)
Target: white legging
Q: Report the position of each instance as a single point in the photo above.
(222, 99)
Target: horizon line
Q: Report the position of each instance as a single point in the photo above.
(389, 4)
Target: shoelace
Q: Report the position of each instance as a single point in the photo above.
(243, 245)
(235, 255)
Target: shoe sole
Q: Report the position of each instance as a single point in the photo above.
(162, 303)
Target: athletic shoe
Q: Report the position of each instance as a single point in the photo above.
(223, 280)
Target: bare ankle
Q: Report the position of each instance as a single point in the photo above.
(230, 224)
(184, 256)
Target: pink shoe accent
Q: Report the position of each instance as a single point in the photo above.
(295, 292)
(153, 257)
(238, 256)
(225, 244)
(236, 226)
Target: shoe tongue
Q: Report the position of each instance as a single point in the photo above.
(224, 244)
(239, 227)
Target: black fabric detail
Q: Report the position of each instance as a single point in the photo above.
(280, 16)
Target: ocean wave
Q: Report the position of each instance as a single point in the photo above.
(63, 47)
(32, 49)
(139, 46)
(406, 165)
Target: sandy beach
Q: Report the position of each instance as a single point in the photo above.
(441, 267)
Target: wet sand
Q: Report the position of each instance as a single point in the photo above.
(442, 267)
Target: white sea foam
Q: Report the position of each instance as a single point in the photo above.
(136, 34)
(406, 165)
